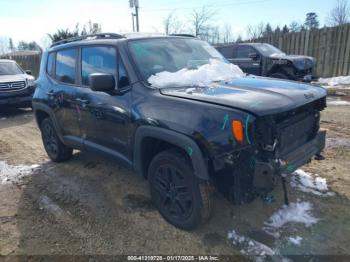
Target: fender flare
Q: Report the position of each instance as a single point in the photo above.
(47, 110)
(172, 137)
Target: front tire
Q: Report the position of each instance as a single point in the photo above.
(279, 75)
(179, 196)
(54, 148)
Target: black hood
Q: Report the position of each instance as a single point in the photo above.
(258, 95)
(299, 61)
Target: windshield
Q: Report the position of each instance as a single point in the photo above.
(9, 68)
(268, 50)
(153, 56)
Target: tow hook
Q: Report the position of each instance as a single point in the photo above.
(283, 180)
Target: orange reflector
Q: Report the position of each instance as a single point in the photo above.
(237, 130)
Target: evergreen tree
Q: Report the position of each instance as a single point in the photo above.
(285, 29)
(311, 21)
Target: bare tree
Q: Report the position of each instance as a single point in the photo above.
(172, 25)
(227, 34)
(4, 41)
(340, 14)
(257, 31)
(200, 20)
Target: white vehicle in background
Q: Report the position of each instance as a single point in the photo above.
(16, 85)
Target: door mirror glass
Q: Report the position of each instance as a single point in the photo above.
(28, 72)
(102, 82)
(254, 56)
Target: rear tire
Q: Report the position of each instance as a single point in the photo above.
(54, 148)
(179, 196)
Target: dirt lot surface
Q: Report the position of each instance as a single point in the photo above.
(91, 206)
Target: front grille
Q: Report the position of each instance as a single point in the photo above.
(294, 134)
(8, 86)
(290, 129)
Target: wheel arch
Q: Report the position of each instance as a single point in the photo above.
(41, 111)
(171, 138)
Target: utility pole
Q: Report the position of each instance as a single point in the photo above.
(135, 16)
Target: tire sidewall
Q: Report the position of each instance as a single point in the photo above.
(45, 122)
(172, 157)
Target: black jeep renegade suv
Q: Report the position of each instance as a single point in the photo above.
(235, 136)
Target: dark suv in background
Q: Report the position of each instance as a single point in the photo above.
(238, 136)
(16, 85)
(266, 60)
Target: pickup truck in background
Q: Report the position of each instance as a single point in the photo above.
(263, 59)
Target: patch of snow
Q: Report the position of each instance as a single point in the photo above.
(3, 118)
(11, 174)
(299, 212)
(337, 142)
(216, 70)
(335, 81)
(249, 246)
(278, 55)
(338, 103)
(308, 183)
(295, 240)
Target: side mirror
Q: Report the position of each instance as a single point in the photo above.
(101, 82)
(254, 56)
(28, 72)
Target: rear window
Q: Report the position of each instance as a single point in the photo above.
(66, 65)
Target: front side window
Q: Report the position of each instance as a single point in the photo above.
(65, 66)
(98, 60)
(243, 52)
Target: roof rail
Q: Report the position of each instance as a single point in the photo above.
(83, 37)
(186, 35)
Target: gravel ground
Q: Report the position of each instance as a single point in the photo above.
(92, 206)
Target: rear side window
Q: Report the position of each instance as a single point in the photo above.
(51, 64)
(243, 51)
(226, 51)
(65, 65)
(98, 60)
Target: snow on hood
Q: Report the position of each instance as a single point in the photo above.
(278, 55)
(202, 76)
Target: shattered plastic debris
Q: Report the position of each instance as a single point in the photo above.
(248, 246)
(295, 240)
(308, 183)
(12, 174)
(202, 76)
(299, 212)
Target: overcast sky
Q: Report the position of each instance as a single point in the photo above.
(31, 20)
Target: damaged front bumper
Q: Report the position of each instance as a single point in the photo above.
(265, 172)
